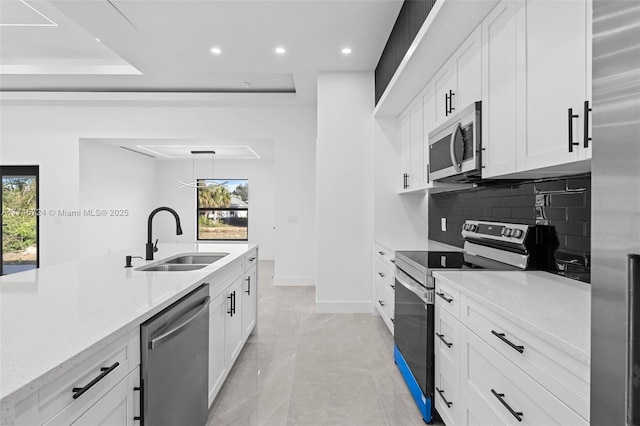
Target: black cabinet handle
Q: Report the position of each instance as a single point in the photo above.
(381, 302)
(441, 337)
(406, 180)
(517, 414)
(234, 302)
(392, 320)
(381, 253)
(571, 142)
(587, 110)
(77, 392)
(428, 173)
(230, 297)
(451, 95)
(393, 286)
(441, 392)
(381, 274)
(393, 261)
(248, 280)
(138, 418)
(444, 297)
(504, 339)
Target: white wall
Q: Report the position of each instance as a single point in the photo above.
(122, 184)
(262, 190)
(344, 180)
(49, 135)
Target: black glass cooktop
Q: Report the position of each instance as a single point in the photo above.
(452, 260)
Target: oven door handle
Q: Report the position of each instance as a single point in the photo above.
(456, 135)
(418, 290)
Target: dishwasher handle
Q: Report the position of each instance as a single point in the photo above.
(163, 338)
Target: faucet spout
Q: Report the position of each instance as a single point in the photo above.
(150, 248)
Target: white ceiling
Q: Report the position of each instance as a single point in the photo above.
(164, 45)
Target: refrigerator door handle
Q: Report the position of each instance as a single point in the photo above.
(633, 387)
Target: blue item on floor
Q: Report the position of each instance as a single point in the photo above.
(423, 403)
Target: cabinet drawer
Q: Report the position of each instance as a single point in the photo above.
(448, 298)
(384, 273)
(509, 391)
(59, 394)
(385, 298)
(447, 343)
(250, 259)
(447, 398)
(385, 255)
(562, 375)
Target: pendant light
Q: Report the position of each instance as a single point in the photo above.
(194, 183)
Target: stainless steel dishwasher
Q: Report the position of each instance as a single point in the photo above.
(175, 363)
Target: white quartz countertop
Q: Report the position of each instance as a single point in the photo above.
(54, 317)
(554, 308)
(398, 244)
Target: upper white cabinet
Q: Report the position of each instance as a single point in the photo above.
(536, 81)
(411, 148)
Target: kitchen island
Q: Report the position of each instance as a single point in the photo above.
(55, 318)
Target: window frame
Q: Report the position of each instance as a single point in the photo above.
(201, 209)
(16, 171)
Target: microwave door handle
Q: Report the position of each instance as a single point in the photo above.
(452, 147)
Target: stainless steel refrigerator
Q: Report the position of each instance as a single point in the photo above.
(615, 317)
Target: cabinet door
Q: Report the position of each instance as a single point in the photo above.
(233, 326)
(428, 123)
(217, 336)
(249, 301)
(417, 177)
(467, 71)
(404, 148)
(555, 82)
(501, 63)
(442, 83)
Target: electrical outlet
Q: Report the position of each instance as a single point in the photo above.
(443, 224)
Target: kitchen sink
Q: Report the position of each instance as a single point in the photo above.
(197, 259)
(184, 262)
(170, 267)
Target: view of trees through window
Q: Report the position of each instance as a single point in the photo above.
(19, 218)
(223, 209)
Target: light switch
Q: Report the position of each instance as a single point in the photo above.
(443, 224)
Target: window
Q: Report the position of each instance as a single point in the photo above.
(223, 209)
(20, 219)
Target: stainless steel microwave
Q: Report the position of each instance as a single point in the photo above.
(455, 147)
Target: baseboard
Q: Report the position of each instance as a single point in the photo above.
(343, 307)
(294, 281)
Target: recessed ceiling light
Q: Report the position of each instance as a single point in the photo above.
(346, 50)
(216, 50)
(98, 40)
(280, 50)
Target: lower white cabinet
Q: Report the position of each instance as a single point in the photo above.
(98, 391)
(384, 284)
(120, 406)
(232, 319)
(489, 370)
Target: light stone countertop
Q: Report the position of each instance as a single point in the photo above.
(54, 317)
(393, 244)
(554, 308)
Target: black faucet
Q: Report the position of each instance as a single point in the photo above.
(150, 248)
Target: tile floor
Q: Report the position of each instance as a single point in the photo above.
(306, 368)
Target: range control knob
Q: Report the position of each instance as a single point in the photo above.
(517, 233)
(474, 228)
(507, 232)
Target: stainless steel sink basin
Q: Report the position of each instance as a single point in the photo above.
(196, 259)
(170, 267)
(184, 262)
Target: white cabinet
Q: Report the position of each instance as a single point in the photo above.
(249, 301)
(384, 284)
(233, 330)
(502, 60)
(411, 148)
(443, 89)
(118, 407)
(217, 336)
(489, 370)
(99, 390)
(536, 80)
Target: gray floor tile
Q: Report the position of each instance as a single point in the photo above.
(306, 368)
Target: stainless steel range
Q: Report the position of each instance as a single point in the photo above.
(488, 245)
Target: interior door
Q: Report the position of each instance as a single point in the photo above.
(19, 219)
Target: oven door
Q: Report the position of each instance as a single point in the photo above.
(413, 329)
